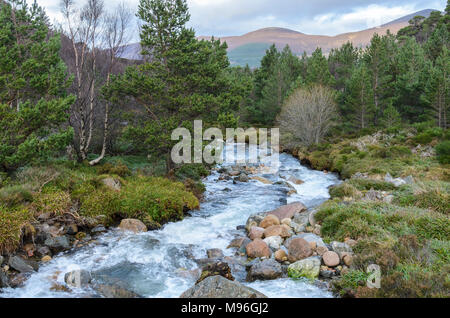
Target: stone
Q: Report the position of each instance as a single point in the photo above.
(132, 225)
(78, 278)
(113, 291)
(256, 232)
(254, 220)
(351, 242)
(267, 269)
(317, 230)
(214, 253)
(243, 248)
(243, 177)
(298, 228)
(4, 282)
(237, 242)
(112, 183)
(42, 251)
(321, 250)
(286, 221)
(409, 180)
(46, 258)
(220, 287)
(276, 230)
(347, 258)
(1, 260)
(57, 244)
(20, 265)
(281, 256)
(296, 181)
(72, 229)
(311, 237)
(217, 268)
(288, 211)
(261, 179)
(98, 229)
(313, 245)
(340, 248)
(331, 259)
(258, 248)
(298, 249)
(274, 242)
(311, 218)
(268, 221)
(308, 268)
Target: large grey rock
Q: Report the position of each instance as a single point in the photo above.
(214, 253)
(274, 242)
(340, 248)
(3, 279)
(288, 211)
(308, 268)
(243, 177)
(58, 244)
(220, 287)
(254, 220)
(112, 183)
(397, 182)
(265, 270)
(20, 265)
(310, 237)
(78, 278)
(113, 291)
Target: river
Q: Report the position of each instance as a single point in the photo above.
(159, 263)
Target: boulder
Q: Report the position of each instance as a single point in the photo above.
(220, 287)
(98, 229)
(42, 251)
(267, 269)
(214, 253)
(258, 248)
(331, 259)
(310, 237)
(78, 278)
(217, 268)
(132, 225)
(262, 180)
(296, 181)
(311, 218)
(340, 248)
(113, 291)
(287, 222)
(288, 211)
(276, 230)
(308, 268)
(243, 177)
(237, 242)
(274, 242)
(254, 220)
(20, 265)
(281, 256)
(269, 220)
(396, 182)
(58, 244)
(112, 183)
(298, 228)
(3, 279)
(347, 258)
(298, 249)
(256, 232)
(321, 250)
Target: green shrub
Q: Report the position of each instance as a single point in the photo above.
(15, 195)
(192, 171)
(52, 200)
(118, 168)
(12, 221)
(344, 190)
(366, 184)
(443, 152)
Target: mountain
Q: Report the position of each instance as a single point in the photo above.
(251, 47)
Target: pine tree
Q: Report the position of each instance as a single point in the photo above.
(437, 92)
(183, 79)
(33, 80)
(409, 86)
(318, 71)
(341, 62)
(359, 102)
(391, 117)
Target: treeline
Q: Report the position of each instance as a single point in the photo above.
(396, 79)
(65, 91)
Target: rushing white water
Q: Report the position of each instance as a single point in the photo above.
(160, 263)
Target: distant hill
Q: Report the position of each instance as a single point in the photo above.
(250, 48)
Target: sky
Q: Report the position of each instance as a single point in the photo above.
(322, 17)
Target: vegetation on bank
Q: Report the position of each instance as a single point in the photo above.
(107, 193)
(408, 235)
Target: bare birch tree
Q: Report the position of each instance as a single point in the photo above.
(308, 114)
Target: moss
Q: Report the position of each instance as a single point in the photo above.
(12, 221)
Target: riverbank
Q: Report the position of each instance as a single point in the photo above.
(395, 203)
(63, 206)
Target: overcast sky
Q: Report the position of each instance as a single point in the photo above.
(324, 17)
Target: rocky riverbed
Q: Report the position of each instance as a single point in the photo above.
(232, 227)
